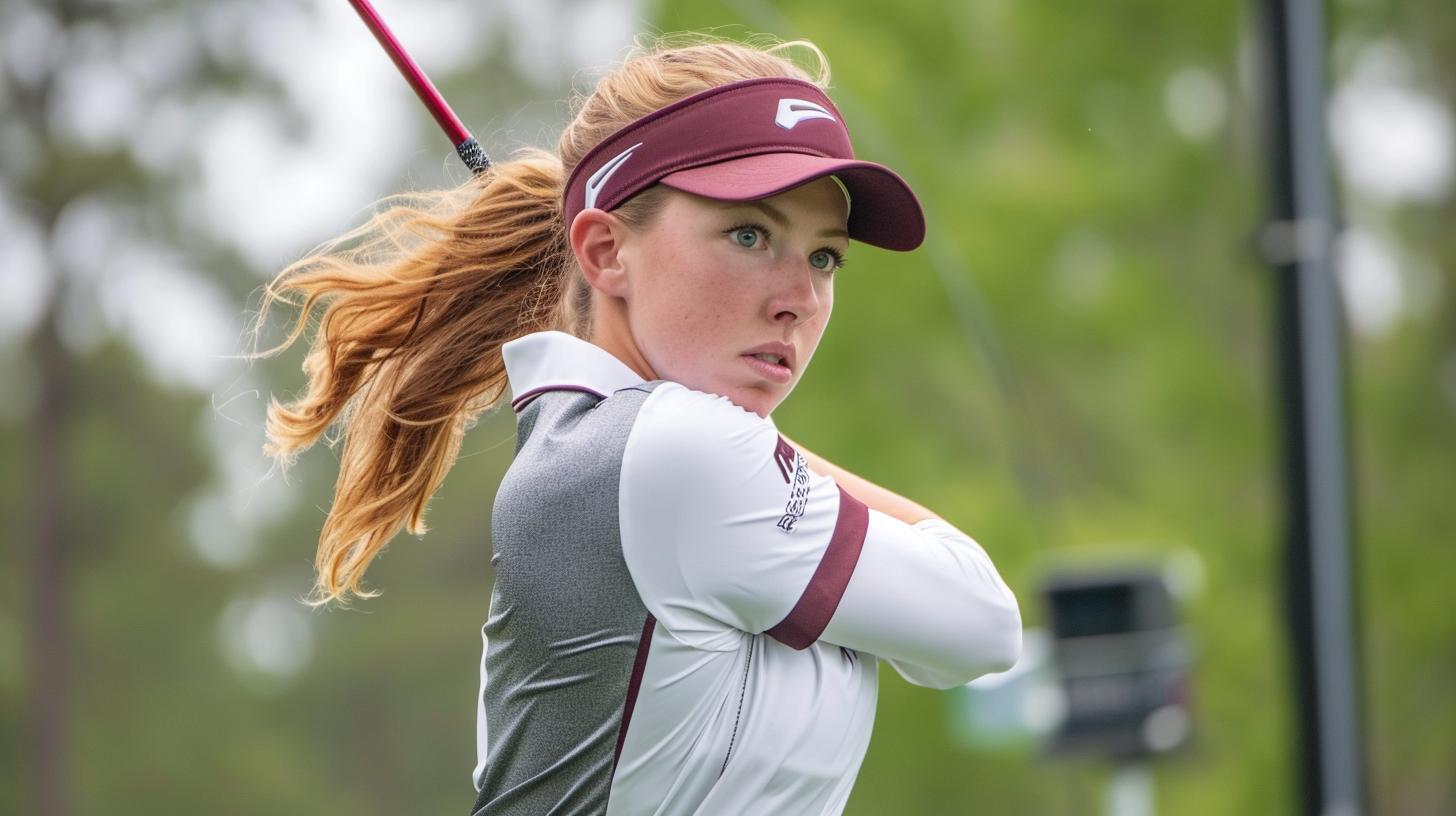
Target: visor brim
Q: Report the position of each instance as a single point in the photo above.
(883, 212)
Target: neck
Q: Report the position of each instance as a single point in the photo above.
(611, 333)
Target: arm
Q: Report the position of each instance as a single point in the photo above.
(726, 529)
(875, 497)
(952, 556)
(926, 599)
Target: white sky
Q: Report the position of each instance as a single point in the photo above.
(1393, 146)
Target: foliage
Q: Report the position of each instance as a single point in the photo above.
(1078, 364)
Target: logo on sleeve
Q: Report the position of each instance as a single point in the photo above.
(795, 471)
(784, 456)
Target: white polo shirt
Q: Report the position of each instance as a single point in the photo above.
(739, 604)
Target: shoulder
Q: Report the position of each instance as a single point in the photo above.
(680, 433)
(675, 408)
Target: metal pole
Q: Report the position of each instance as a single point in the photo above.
(1320, 600)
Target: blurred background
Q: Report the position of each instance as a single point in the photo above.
(1077, 369)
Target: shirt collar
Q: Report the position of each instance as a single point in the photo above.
(557, 361)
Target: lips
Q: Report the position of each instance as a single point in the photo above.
(773, 372)
(774, 353)
(772, 361)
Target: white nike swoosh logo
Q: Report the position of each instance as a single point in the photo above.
(595, 182)
(793, 111)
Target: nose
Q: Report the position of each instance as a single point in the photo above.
(797, 298)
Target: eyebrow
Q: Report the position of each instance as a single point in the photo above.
(776, 215)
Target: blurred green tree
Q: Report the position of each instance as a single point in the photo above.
(1077, 364)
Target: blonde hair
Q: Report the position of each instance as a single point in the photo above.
(417, 302)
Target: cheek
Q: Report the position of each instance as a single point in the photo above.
(686, 303)
(689, 318)
(820, 321)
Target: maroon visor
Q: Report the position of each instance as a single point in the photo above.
(745, 141)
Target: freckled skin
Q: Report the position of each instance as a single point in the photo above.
(701, 294)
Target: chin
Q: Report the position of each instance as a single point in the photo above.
(755, 400)
(752, 398)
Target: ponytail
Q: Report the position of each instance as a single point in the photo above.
(416, 305)
(417, 302)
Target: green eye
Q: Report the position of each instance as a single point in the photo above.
(747, 237)
(826, 260)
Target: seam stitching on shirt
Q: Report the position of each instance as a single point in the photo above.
(742, 693)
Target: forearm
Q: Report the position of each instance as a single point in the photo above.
(884, 500)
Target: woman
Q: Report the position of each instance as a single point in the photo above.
(688, 608)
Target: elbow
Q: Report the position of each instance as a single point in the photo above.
(1005, 650)
(990, 635)
(995, 645)
(988, 644)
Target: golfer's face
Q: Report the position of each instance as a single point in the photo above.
(732, 298)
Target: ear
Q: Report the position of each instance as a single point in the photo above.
(597, 240)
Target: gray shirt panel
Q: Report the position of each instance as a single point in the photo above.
(565, 618)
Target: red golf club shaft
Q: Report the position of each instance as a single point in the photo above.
(465, 144)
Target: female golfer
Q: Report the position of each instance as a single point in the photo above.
(689, 608)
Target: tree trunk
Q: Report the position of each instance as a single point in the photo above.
(49, 627)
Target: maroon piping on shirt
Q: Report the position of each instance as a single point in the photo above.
(639, 665)
(520, 402)
(806, 621)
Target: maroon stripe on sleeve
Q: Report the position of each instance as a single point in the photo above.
(806, 621)
(639, 664)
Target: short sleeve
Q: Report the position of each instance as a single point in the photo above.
(724, 527)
